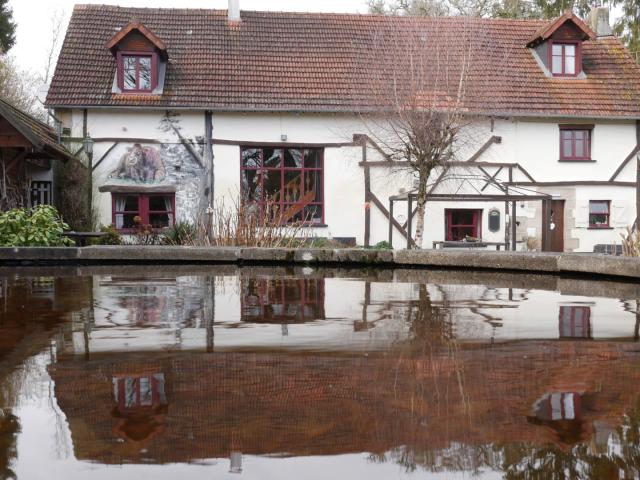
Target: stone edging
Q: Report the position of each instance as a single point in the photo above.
(588, 264)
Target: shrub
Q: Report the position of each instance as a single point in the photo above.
(384, 245)
(110, 237)
(40, 226)
(182, 233)
(631, 243)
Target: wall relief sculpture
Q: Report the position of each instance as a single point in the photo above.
(140, 164)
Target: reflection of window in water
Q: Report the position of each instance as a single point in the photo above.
(135, 392)
(282, 300)
(575, 321)
(562, 413)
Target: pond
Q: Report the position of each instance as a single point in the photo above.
(290, 373)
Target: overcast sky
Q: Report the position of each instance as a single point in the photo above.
(34, 18)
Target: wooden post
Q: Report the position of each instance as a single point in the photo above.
(637, 224)
(367, 195)
(390, 223)
(409, 220)
(513, 225)
(208, 132)
(506, 229)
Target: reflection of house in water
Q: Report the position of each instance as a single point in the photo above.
(225, 405)
(575, 321)
(282, 300)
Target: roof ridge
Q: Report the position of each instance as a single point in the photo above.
(96, 6)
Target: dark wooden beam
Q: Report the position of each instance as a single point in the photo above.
(385, 212)
(485, 147)
(624, 163)
(575, 183)
(104, 156)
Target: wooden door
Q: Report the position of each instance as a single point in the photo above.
(553, 226)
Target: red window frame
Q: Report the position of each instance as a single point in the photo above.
(607, 215)
(572, 317)
(143, 210)
(476, 224)
(138, 56)
(282, 204)
(563, 55)
(570, 131)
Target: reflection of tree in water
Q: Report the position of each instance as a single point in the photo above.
(9, 429)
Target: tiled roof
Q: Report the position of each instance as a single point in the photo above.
(324, 62)
(41, 135)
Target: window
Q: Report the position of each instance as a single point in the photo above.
(285, 184)
(575, 321)
(575, 143)
(283, 300)
(462, 224)
(133, 210)
(565, 59)
(136, 72)
(599, 213)
(40, 193)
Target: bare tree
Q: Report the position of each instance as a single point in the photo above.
(418, 82)
(18, 86)
(56, 23)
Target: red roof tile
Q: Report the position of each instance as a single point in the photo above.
(323, 62)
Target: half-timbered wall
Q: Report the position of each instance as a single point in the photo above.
(530, 143)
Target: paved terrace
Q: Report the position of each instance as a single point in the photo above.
(551, 263)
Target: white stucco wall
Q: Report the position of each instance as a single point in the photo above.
(533, 144)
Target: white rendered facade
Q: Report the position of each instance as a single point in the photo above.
(532, 143)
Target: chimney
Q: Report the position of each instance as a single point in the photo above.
(234, 10)
(598, 21)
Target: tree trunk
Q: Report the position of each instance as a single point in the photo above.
(421, 205)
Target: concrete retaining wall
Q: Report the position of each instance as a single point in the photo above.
(575, 263)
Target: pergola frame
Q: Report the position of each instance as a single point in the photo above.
(517, 194)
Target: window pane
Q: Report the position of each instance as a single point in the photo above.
(160, 203)
(159, 220)
(127, 204)
(145, 73)
(569, 50)
(313, 213)
(251, 157)
(251, 188)
(272, 157)
(313, 186)
(557, 50)
(579, 147)
(128, 220)
(129, 79)
(272, 185)
(312, 158)
(599, 220)
(598, 207)
(570, 65)
(293, 186)
(556, 64)
(567, 149)
(292, 158)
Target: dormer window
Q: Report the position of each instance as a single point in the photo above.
(558, 46)
(137, 72)
(142, 60)
(564, 59)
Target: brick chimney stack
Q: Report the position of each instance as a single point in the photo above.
(598, 21)
(234, 11)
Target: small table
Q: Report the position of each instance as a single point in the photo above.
(452, 244)
(81, 237)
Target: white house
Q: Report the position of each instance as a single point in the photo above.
(275, 101)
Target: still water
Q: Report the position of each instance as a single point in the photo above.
(267, 373)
